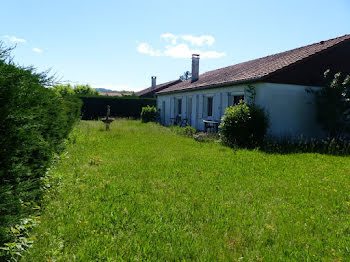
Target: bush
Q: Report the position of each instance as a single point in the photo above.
(184, 131)
(189, 131)
(149, 114)
(34, 121)
(94, 107)
(244, 125)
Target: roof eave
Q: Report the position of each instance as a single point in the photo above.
(212, 86)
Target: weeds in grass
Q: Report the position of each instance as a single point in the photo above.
(161, 196)
(21, 239)
(95, 161)
(273, 145)
(329, 146)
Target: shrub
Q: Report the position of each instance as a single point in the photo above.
(244, 125)
(94, 107)
(189, 131)
(34, 121)
(206, 137)
(184, 131)
(149, 114)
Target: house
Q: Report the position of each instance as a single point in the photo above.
(150, 91)
(279, 82)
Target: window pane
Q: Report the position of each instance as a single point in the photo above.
(210, 106)
(236, 99)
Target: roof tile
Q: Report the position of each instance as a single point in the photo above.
(254, 69)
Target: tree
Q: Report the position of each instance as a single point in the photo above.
(333, 104)
(63, 90)
(85, 90)
(185, 76)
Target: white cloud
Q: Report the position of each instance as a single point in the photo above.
(179, 51)
(183, 51)
(193, 40)
(179, 47)
(212, 54)
(199, 40)
(37, 50)
(170, 38)
(145, 48)
(14, 39)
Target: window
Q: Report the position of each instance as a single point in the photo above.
(210, 106)
(179, 106)
(238, 98)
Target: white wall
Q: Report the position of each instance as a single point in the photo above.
(290, 108)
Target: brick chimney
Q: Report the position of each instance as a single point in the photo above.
(195, 67)
(154, 78)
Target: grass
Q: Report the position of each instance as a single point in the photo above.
(141, 192)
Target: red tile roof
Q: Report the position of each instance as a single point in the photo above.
(149, 91)
(256, 69)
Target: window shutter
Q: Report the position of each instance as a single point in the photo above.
(230, 100)
(205, 106)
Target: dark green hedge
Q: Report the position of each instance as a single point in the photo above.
(95, 107)
(34, 121)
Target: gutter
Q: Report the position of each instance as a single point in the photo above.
(212, 86)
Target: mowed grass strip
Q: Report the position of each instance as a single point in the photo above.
(141, 192)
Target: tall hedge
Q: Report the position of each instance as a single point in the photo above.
(34, 121)
(95, 107)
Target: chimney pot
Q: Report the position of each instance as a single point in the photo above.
(154, 78)
(195, 67)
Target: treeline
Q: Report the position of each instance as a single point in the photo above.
(34, 122)
(79, 90)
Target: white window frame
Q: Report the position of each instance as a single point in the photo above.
(231, 96)
(205, 106)
(176, 105)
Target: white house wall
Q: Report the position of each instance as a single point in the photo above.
(290, 107)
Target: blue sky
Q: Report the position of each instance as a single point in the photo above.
(121, 44)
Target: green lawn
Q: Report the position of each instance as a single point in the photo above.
(141, 192)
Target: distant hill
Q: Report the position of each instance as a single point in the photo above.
(110, 92)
